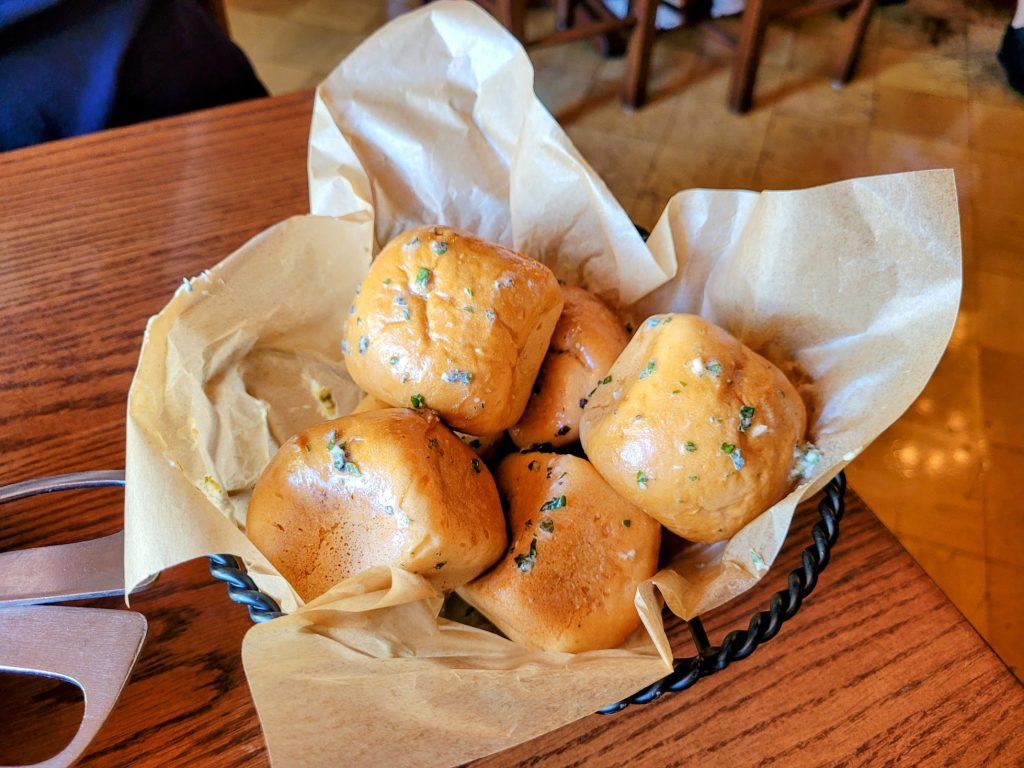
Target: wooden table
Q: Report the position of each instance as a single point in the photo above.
(96, 233)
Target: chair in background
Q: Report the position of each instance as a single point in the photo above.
(581, 19)
(758, 14)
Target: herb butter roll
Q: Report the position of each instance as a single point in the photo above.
(586, 341)
(389, 487)
(451, 322)
(694, 427)
(577, 554)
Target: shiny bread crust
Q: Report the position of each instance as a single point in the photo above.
(448, 321)
(380, 488)
(577, 553)
(694, 428)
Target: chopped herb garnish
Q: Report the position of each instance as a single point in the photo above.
(476, 465)
(693, 478)
(556, 503)
(756, 558)
(422, 276)
(607, 379)
(654, 322)
(417, 401)
(532, 466)
(469, 292)
(728, 448)
(439, 247)
(648, 370)
(400, 301)
(714, 367)
(471, 310)
(439, 566)
(547, 525)
(583, 402)
(490, 315)
(363, 344)
(394, 360)
(737, 459)
(434, 442)
(339, 454)
(746, 417)
(563, 430)
(405, 314)
(457, 377)
(690, 446)
(412, 243)
(641, 480)
(389, 509)
(627, 522)
(344, 346)
(525, 563)
(387, 281)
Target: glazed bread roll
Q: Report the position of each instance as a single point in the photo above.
(387, 487)
(578, 553)
(484, 445)
(586, 341)
(695, 428)
(447, 321)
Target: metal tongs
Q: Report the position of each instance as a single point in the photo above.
(94, 648)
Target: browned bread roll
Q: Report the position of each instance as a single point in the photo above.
(451, 322)
(586, 341)
(694, 428)
(578, 553)
(387, 487)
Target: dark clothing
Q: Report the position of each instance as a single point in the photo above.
(69, 67)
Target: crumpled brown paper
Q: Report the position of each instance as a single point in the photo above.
(433, 120)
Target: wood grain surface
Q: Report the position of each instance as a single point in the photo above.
(877, 668)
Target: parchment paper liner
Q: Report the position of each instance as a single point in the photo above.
(433, 120)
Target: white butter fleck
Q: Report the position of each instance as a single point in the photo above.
(758, 429)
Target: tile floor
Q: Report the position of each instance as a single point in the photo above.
(929, 94)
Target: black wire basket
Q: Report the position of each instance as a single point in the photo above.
(736, 646)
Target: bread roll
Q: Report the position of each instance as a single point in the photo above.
(447, 321)
(387, 487)
(694, 428)
(578, 553)
(586, 341)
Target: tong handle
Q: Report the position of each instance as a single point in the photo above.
(103, 478)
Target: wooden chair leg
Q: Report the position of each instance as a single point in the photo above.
(748, 55)
(858, 27)
(565, 14)
(638, 53)
(512, 14)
